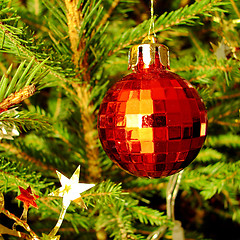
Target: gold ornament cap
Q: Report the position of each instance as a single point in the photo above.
(149, 50)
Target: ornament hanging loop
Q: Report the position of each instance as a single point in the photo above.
(151, 27)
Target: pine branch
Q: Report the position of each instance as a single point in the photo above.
(25, 120)
(14, 174)
(188, 14)
(224, 110)
(183, 16)
(209, 155)
(228, 140)
(204, 68)
(58, 134)
(14, 43)
(147, 188)
(73, 102)
(235, 8)
(235, 95)
(221, 181)
(90, 134)
(147, 215)
(75, 18)
(213, 178)
(17, 97)
(145, 185)
(81, 93)
(108, 14)
(20, 87)
(21, 155)
(103, 193)
(117, 222)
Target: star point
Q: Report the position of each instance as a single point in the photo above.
(71, 188)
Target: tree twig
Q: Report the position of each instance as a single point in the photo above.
(108, 14)
(17, 97)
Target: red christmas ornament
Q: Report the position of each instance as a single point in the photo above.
(27, 197)
(152, 123)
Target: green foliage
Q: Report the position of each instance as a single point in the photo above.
(59, 122)
(12, 174)
(21, 78)
(24, 120)
(229, 140)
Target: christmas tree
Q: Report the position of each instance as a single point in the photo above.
(58, 59)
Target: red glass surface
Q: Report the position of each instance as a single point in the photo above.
(152, 123)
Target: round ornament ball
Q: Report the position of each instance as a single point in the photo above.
(152, 123)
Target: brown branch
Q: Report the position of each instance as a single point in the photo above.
(37, 26)
(197, 78)
(96, 194)
(226, 68)
(11, 149)
(108, 14)
(90, 135)
(235, 8)
(78, 155)
(75, 18)
(135, 209)
(17, 97)
(229, 96)
(120, 224)
(28, 54)
(13, 40)
(149, 187)
(237, 124)
(196, 43)
(74, 24)
(212, 119)
(160, 28)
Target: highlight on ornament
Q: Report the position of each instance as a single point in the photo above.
(152, 123)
